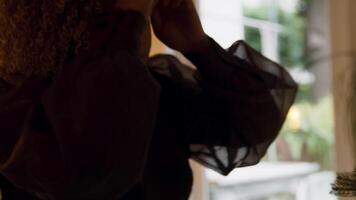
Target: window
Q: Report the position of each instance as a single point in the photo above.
(294, 33)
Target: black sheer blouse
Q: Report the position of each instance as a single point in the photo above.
(110, 127)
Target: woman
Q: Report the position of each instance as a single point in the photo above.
(85, 114)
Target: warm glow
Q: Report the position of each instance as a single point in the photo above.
(157, 46)
(294, 118)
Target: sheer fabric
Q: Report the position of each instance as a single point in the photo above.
(233, 106)
(107, 127)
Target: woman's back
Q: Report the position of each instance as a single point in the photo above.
(106, 125)
(93, 121)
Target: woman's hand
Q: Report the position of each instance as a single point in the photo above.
(176, 23)
(143, 6)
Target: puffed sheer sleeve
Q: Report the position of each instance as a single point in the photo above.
(230, 109)
(86, 133)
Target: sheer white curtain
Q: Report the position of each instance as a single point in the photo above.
(222, 20)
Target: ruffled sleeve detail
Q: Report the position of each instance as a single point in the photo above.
(234, 106)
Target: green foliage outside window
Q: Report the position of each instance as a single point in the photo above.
(253, 37)
(291, 39)
(308, 130)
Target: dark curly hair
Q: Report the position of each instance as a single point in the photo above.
(35, 35)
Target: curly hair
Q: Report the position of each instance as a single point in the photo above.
(36, 35)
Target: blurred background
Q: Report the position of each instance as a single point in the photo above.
(313, 40)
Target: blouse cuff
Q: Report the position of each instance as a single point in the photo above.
(245, 100)
(209, 63)
(238, 67)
